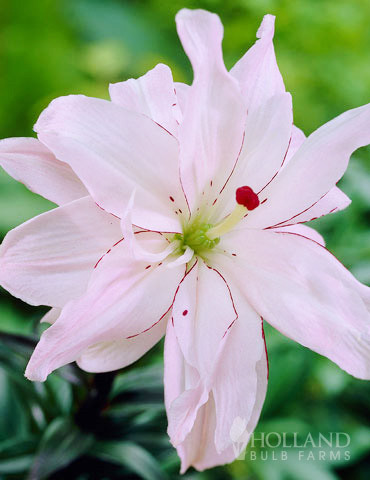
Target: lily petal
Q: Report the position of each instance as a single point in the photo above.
(108, 356)
(48, 260)
(314, 170)
(114, 151)
(201, 314)
(297, 139)
(208, 344)
(28, 161)
(240, 382)
(267, 136)
(152, 95)
(212, 128)
(125, 298)
(51, 316)
(257, 71)
(303, 291)
(333, 201)
(302, 230)
(198, 449)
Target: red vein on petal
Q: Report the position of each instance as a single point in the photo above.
(235, 164)
(280, 224)
(108, 251)
(267, 357)
(231, 297)
(169, 308)
(281, 166)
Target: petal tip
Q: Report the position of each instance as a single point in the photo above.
(267, 27)
(35, 374)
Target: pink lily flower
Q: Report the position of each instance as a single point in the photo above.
(181, 212)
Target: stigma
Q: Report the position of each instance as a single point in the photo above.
(246, 200)
(245, 196)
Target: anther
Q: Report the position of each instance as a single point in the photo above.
(245, 196)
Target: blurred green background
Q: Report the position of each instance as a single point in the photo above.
(81, 426)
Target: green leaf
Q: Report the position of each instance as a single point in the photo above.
(61, 444)
(132, 456)
(16, 455)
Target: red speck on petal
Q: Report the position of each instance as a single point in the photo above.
(246, 196)
(146, 268)
(172, 199)
(185, 312)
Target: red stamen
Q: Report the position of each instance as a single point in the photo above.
(246, 196)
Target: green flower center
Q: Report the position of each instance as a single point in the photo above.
(195, 237)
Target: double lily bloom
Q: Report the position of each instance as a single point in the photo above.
(181, 212)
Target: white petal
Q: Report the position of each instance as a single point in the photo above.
(113, 355)
(137, 250)
(182, 259)
(297, 139)
(202, 312)
(49, 259)
(125, 298)
(30, 162)
(267, 136)
(333, 201)
(198, 449)
(238, 390)
(257, 71)
(304, 231)
(212, 128)
(199, 427)
(303, 291)
(152, 95)
(314, 170)
(51, 316)
(114, 151)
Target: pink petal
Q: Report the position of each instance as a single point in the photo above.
(333, 201)
(182, 94)
(267, 136)
(202, 312)
(184, 391)
(212, 128)
(302, 230)
(304, 292)
(152, 95)
(125, 298)
(49, 259)
(257, 71)
(113, 355)
(314, 170)
(198, 449)
(115, 151)
(240, 381)
(51, 316)
(206, 360)
(297, 139)
(30, 162)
